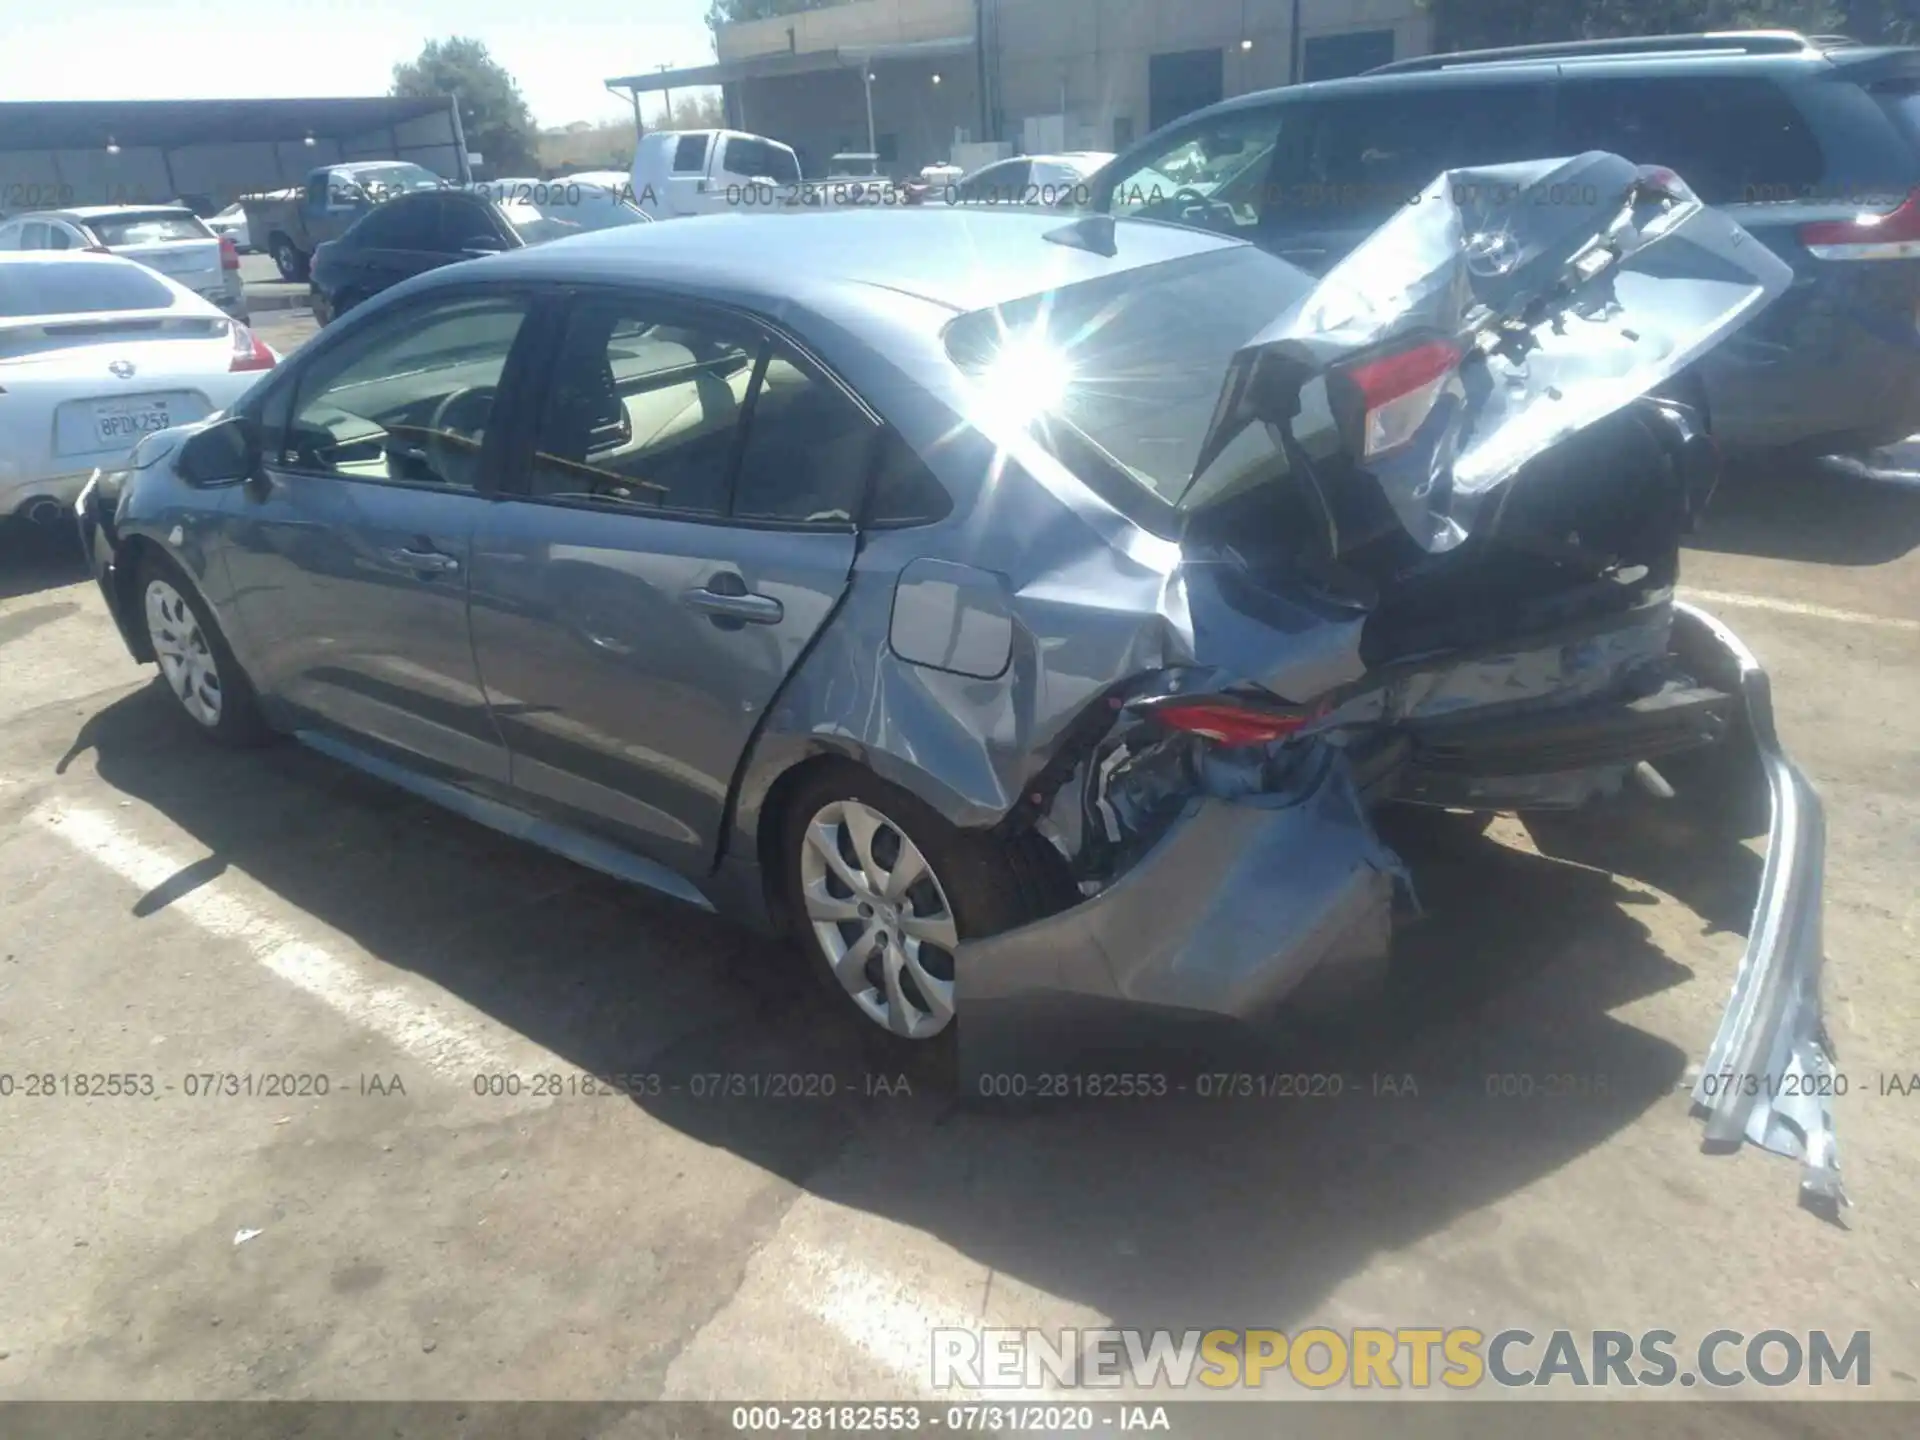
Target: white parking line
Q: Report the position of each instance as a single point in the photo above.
(453, 1047)
(1794, 607)
(875, 1313)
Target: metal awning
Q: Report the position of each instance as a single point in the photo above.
(787, 62)
(174, 124)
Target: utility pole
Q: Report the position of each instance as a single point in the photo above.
(1293, 47)
(669, 93)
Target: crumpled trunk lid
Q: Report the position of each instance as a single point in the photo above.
(1568, 290)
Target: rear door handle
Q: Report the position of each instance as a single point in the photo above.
(749, 608)
(431, 561)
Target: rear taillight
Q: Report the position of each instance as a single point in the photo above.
(1227, 723)
(1399, 391)
(229, 253)
(1893, 236)
(250, 352)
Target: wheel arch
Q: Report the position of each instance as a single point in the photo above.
(761, 806)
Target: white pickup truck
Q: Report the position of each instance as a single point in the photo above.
(707, 172)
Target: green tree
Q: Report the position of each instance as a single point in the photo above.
(1468, 24)
(492, 112)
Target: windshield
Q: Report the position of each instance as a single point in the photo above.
(79, 288)
(583, 208)
(145, 229)
(1131, 364)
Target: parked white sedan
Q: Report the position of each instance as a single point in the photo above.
(96, 352)
(168, 238)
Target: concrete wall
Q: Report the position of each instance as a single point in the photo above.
(1084, 61)
(1089, 59)
(851, 26)
(825, 112)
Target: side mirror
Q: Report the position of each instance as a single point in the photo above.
(477, 245)
(225, 453)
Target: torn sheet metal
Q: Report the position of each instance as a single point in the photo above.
(1233, 907)
(1572, 287)
(1768, 1077)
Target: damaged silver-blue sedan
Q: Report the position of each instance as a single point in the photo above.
(1011, 604)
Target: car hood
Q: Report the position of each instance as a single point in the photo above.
(1572, 287)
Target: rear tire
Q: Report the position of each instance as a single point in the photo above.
(879, 890)
(209, 689)
(289, 261)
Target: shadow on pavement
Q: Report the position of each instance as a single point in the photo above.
(1808, 512)
(32, 559)
(1168, 1213)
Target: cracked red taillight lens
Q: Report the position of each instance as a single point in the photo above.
(1399, 391)
(1226, 723)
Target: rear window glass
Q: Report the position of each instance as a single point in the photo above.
(1735, 140)
(1131, 364)
(79, 287)
(146, 229)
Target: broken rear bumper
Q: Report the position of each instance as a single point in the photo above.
(1768, 1076)
(1234, 907)
(1241, 901)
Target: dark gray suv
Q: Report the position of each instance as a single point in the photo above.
(1812, 145)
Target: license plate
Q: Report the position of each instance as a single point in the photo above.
(123, 423)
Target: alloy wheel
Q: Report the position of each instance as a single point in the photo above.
(185, 657)
(881, 917)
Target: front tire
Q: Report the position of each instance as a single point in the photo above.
(196, 664)
(880, 891)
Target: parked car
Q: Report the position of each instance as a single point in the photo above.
(96, 352)
(291, 224)
(1038, 607)
(678, 173)
(173, 241)
(232, 223)
(424, 231)
(1812, 145)
(1047, 180)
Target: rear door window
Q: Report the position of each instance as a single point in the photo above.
(1734, 139)
(459, 222)
(1352, 159)
(690, 155)
(807, 451)
(404, 224)
(644, 410)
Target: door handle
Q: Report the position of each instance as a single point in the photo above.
(431, 561)
(743, 607)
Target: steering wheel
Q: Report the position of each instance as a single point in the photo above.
(454, 434)
(1186, 195)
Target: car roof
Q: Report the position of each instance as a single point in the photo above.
(100, 212)
(1520, 63)
(958, 259)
